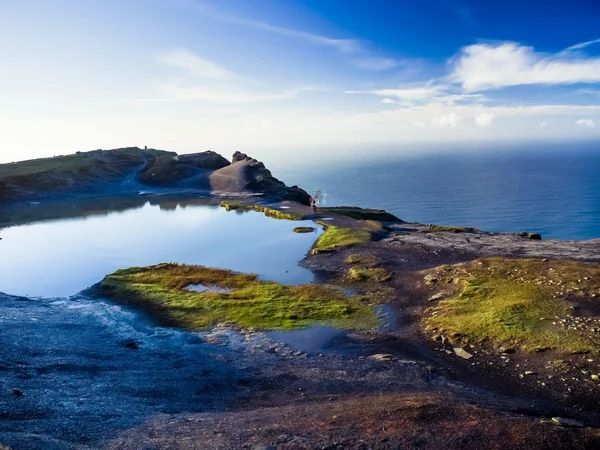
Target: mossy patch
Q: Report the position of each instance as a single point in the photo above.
(451, 229)
(518, 302)
(533, 236)
(335, 237)
(364, 259)
(304, 229)
(371, 274)
(243, 301)
(232, 205)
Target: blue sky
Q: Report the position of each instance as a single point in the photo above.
(276, 77)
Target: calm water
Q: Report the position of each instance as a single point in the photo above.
(63, 257)
(556, 194)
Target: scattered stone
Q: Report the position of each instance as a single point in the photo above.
(430, 279)
(462, 353)
(382, 357)
(565, 422)
(17, 392)
(528, 372)
(595, 377)
(436, 297)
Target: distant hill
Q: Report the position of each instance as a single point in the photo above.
(127, 170)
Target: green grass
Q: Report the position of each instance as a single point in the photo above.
(250, 303)
(374, 274)
(335, 237)
(517, 302)
(67, 163)
(452, 229)
(232, 205)
(304, 229)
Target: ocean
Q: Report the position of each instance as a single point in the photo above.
(554, 192)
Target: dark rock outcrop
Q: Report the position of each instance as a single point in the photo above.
(190, 169)
(130, 170)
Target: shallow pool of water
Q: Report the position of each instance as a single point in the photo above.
(62, 257)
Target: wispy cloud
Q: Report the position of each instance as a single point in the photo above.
(491, 66)
(583, 45)
(357, 51)
(589, 123)
(195, 65)
(208, 81)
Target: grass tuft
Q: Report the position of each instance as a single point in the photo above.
(334, 237)
(376, 274)
(249, 303)
(304, 229)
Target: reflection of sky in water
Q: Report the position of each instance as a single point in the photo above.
(63, 257)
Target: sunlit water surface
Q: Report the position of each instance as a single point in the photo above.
(63, 257)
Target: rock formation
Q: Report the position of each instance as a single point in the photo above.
(129, 170)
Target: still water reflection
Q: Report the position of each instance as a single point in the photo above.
(62, 257)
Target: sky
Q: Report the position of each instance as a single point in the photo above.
(302, 78)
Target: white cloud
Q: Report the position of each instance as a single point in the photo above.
(489, 66)
(406, 94)
(589, 123)
(543, 124)
(450, 120)
(388, 101)
(188, 61)
(484, 120)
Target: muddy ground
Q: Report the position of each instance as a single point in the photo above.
(83, 374)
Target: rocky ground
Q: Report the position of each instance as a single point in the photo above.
(86, 374)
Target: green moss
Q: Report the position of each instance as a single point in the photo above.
(362, 258)
(452, 229)
(334, 237)
(376, 274)
(304, 229)
(509, 302)
(232, 205)
(246, 303)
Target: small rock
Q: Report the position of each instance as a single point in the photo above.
(564, 422)
(430, 279)
(462, 353)
(595, 377)
(528, 372)
(382, 357)
(131, 344)
(17, 392)
(438, 296)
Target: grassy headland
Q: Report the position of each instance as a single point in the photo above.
(246, 302)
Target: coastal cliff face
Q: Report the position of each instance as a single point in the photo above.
(129, 169)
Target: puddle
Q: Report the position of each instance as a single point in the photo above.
(310, 339)
(66, 256)
(203, 288)
(388, 316)
(284, 207)
(327, 218)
